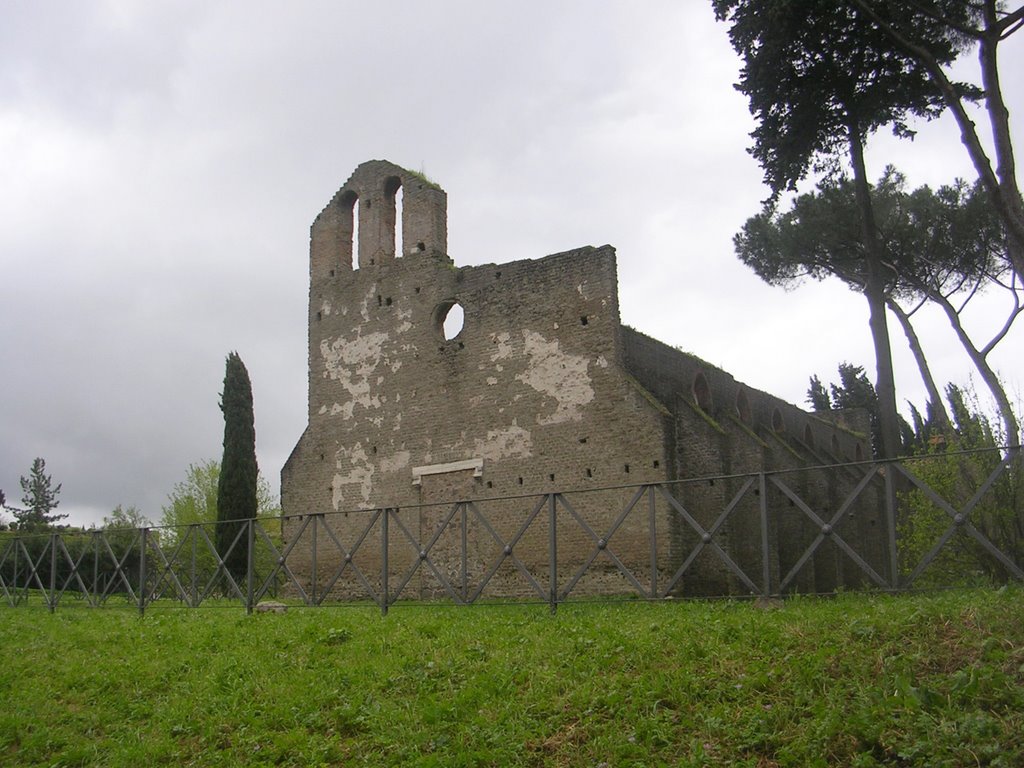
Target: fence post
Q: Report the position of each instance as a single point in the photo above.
(465, 553)
(95, 563)
(52, 600)
(250, 568)
(312, 562)
(766, 570)
(652, 521)
(143, 538)
(194, 532)
(384, 562)
(890, 522)
(552, 553)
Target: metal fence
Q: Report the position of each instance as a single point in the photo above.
(936, 520)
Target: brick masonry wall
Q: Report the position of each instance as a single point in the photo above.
(542, 390)
(532, 389)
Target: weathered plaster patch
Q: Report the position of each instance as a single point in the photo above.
(325, 308)
(491, 381)
(404, 322)
(503, 349)
(364, 305)
(360, 474)
(397, 461)
(557, 374)
(507, 443)
(351, 362)
(601, 362)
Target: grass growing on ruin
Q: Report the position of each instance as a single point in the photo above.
(928, 680)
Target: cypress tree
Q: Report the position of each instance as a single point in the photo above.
(236, 488)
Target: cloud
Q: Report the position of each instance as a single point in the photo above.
(162, 163)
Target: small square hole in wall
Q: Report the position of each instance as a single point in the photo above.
(490, 484)
(380, 300)
(626, 468)
(520, 481)
(551, 478)
(497, 275)
(584, 320)
(387, 301)
(319, 316)
(657, 463)
(583, 440)
(374, 450)
(332, 273)
(421, 247)
(589, 473)
(417, 289)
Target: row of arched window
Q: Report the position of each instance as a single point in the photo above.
(701, 394)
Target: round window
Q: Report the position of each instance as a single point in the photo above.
(448, 319)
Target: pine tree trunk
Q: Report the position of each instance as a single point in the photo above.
(1010, 425)
(875, 292)
(936, 408)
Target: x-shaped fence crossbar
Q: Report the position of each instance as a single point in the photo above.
(961, 519)
(190, 567)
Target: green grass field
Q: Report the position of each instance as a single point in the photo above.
(929, 680)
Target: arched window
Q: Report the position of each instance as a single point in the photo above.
(778, 423)
(808, 436)
(743, 406)
(391, 216)
(350, 228)
(702, 392)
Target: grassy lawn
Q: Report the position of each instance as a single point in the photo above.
(931, 680)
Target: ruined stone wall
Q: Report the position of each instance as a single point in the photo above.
(529, 397)
(725, 429)
(541, 390)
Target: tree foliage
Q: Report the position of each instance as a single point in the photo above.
(955, 465)
(190, 517)
(236, 488)
(820, 77)
(986, 24)
(193, 500)
(854, 390)
(944, 246)
(40, 499)
(820, 80)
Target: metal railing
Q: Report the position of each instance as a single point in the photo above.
(880, 525)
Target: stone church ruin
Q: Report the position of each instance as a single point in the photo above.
(432, 458)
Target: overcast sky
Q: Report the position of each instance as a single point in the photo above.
(161, 162)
